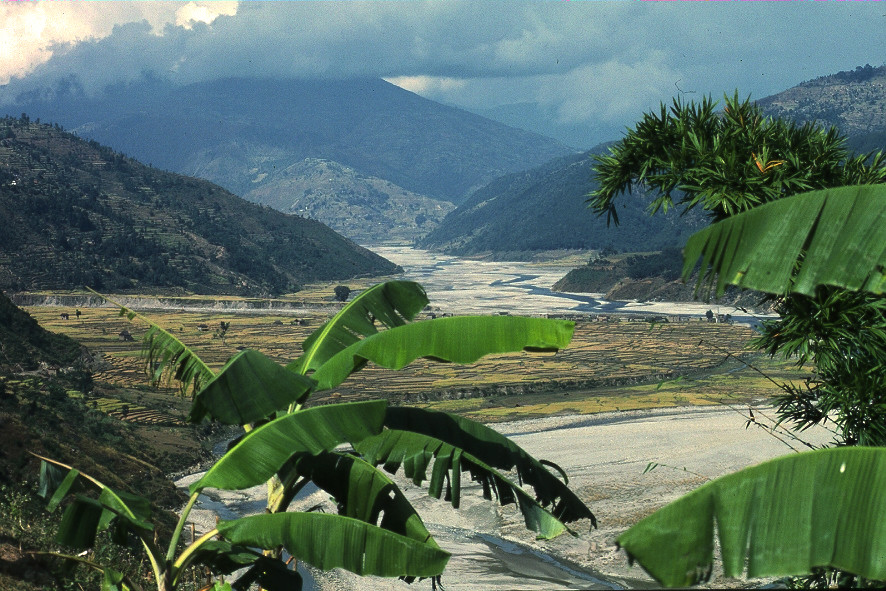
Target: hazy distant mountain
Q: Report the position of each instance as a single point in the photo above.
(76, 213)
(239, 132)
(544, 208)
(364, 208)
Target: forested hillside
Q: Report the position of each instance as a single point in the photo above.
(77, 214)
(544, 209)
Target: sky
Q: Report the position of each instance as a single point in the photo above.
(594, 63)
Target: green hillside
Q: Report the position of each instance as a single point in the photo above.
(544, 209)
(76, 213)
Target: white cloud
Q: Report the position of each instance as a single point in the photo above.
(32, 32)
(203, 12)
(426, 85)
(610, 91)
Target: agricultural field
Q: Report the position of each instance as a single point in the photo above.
(618, 364)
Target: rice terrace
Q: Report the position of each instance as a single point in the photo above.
(613, 363)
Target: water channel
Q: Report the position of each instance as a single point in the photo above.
(465, 286)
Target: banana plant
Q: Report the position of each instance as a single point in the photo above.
(288, 446)
(403, 548)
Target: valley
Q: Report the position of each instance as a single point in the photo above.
(624, 355)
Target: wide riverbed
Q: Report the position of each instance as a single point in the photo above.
(465, 286)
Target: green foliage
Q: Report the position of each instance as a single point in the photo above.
(814, 512)
(342, 292)
(377, 531)
(787, 516)
(732, 161)
(834, 237)
(725, 161)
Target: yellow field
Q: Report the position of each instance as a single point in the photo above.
(615, 365)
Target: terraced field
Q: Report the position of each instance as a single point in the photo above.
(617, 364)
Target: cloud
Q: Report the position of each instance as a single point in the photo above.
(203, 12)
(425, 85)
(584, 61)
(610, 91)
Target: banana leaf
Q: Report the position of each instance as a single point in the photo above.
(830, 237)
(136, 510)
(262, 452)
(415, 452)
(823, 508)
(362, 492)
(248, 388)
(460, 339)
(224, 557)
(496, 450)
(391, 304)
(165, 355)
(332, 541)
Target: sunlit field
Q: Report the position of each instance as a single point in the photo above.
(613, 364)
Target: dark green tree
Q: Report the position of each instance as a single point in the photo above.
(730, 161)
(342, 292)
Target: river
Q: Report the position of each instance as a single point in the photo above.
(458, 285)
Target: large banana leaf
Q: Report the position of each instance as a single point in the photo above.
(830, 237)
(262, 452)
(824, 508)
(391, 304)
(496, 450)
(362, 492)
(460, 339)
(248, 388)
(332, 541)
(415, 452)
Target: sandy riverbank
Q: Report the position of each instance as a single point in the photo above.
(605, 456)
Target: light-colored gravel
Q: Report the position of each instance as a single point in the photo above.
(605, 456)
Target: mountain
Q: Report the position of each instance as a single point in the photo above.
(77, 213)
(239, 132)
(544, 209)
(854, 101)
(364, 208)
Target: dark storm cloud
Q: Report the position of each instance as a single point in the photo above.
(584, 61)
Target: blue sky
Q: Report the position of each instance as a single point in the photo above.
(594, 63)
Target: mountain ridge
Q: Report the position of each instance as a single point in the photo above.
(238, 132)
(77, 213)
